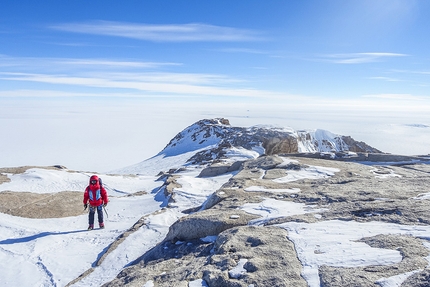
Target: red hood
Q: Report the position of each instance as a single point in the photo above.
(94, 186)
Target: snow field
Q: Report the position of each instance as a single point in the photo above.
(63, 246)
(53, 252)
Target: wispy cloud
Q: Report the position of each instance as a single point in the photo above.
(192, 32)
(358, 58)
(111, 63)
(242, 50)
(407, 97)
(128, 76)
(387, 79)
(411, 72)
(65, 64)
(179, 84)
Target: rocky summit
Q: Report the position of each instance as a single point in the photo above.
(293, 216)
(218, 136)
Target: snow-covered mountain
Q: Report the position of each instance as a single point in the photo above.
(217, 136)
(225, 206)
(212, 140)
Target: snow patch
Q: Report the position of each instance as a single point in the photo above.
(238, 271)
(209, 238)
(395, 281)
(198, 283)
(311, 172)
(271, 208)
(274, 190)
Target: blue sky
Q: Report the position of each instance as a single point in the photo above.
(344, 57)
(205, 48)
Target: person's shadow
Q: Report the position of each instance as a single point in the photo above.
(36, 236)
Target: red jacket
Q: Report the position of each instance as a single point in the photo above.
(94, 193)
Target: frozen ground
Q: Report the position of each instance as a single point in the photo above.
(53, 252)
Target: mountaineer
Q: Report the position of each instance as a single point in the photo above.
(95, 194)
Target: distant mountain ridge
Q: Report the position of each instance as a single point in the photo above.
(217, 135)
(211, 140)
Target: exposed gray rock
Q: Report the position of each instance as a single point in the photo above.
(358, 146)
(264, 162)
(206, 223)
(419, 279)
(173, 264)
(45, 205)
(382, 158)
(265, 266)
(276, 145)
(218, 169)
(355, 192)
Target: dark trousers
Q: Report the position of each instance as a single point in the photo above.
(99, 214)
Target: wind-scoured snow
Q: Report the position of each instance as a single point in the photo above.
(311, 172)
(38, 180)
(41, 180)
(271, 208)
(63, 246)
(334, 243)
(53, 252)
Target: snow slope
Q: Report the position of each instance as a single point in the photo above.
(53, 252)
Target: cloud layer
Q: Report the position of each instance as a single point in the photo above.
(193, 32)
(359, 58)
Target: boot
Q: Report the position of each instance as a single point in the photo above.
(91, 227)
(101, 225)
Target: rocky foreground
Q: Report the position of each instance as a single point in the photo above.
(355, 193)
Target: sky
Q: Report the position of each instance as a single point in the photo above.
(96, 85)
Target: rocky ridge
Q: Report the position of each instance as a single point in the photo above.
(219, 137)
(355, 193)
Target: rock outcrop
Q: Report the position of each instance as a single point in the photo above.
(218, 137)
(275, 145)
(226, 246)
